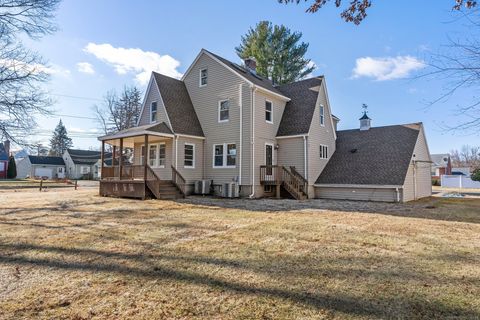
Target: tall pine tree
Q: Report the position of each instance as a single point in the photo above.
(60, 140)
(280, 57)
(12, 168)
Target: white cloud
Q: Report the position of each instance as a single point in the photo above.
(386, 68)
(134, 60)
(85, 67)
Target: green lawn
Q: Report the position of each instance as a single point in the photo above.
(74, 255)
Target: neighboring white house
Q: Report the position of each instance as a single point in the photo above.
(82, 164)
(41, 167)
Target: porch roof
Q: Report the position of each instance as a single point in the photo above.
(154, 129)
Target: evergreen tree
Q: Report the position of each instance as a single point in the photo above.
(12, 168)
(60, 140)
(279, 55)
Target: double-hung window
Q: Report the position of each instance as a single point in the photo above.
(225, 155)
(152, 155)
(203, 77)
(223, 110)
(323, 152)
(268, 112)
(189, 155)
(153, 112)
(156, 155)
(322, 115)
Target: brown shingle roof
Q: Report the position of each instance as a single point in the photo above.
(179, 106)
(255, 79)
(298, 113)
(379, 156)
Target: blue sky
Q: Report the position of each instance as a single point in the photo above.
(104, 45)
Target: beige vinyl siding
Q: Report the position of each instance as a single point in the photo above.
(290, 153)
(319, 135)
(350, 193)
(266, 132)
(163, 173)
(153, 95)
(222, 84)
(422, 172)
(190, 174)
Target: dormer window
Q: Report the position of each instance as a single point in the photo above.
(223, 111)
(268, 112)
(203, 77)
(322, 115)
(153, 112)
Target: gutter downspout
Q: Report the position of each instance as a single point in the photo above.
(254, 89)
(305, 170)
(176, 152)
(240, 104)
(414, 180)
(397, 191)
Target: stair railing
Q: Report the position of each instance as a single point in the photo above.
(178, 180)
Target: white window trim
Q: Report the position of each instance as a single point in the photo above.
(219, 106)
(156, 112)
(200, 78)
(322, 115)
(157, 156)
(326, 149)
(271, 112)
(225, 154)
(193, 160)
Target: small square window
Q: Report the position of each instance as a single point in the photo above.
(203, 77)
(323, 152)
(268, 112)
(224, 111)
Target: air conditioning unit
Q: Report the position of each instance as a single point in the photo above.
(231, 190)
(202, 187)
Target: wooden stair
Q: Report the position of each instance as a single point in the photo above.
(288, 179)
(163, 189)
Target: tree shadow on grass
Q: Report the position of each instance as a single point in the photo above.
(458, 210)
(148, 266)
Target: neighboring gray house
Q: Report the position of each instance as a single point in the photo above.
(41, 167)
(82, 164)
(223, 123)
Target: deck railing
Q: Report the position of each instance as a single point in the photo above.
(129, 172)
(178, 180)
(291, 179)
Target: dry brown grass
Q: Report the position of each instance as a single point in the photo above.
(74, 255)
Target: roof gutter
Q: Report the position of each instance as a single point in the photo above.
(136, 134)
(360, 186)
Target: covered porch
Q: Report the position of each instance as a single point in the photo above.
(141, 164)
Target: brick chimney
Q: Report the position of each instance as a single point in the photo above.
(6, 144)
(251, 64)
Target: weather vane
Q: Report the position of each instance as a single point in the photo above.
(365, 108)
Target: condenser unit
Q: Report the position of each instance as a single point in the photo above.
(202, 187)
(231, 190)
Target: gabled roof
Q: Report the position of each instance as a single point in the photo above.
(152, 128)
(379, 156)
(438, 159)
(53, 161)
(178, 105)
(244, 73)
(3, 153)
(298, 113)
(87, 157)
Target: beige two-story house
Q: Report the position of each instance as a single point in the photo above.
(225, 124)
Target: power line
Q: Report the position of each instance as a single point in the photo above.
(76, 117)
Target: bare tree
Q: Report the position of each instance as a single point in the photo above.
(356, 10)
(119, 112)
(467, 156)
(22, 71)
